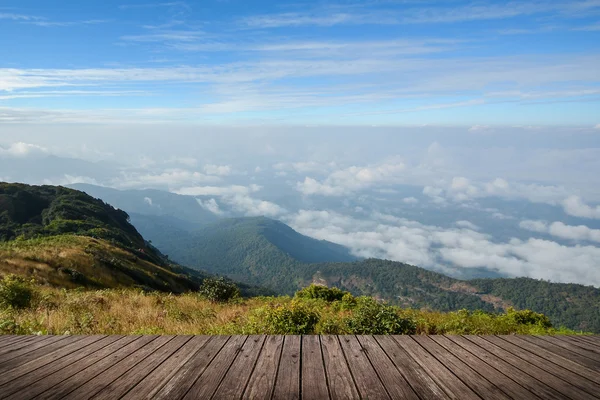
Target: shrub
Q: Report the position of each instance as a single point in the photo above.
(15, 292)
(373, 318)
(321, 292)
(218, 290)
(293, 318)
(527, 317)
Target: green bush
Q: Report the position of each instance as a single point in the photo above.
(370, 317)
(321, 292)
(15, 292)
(218, 290)
(527, 317)
(293, 318)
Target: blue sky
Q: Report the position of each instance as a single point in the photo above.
(384, 62)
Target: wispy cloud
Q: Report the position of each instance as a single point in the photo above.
(181, 4)
(46, 23)
(19, 17)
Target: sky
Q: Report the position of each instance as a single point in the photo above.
(453, 135)
(383, 62)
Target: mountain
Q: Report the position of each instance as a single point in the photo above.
(151, 202)
(252, 249)
(265, 252)
(67, 238)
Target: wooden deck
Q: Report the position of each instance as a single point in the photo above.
(293, 367)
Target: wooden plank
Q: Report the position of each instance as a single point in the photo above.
(42, 356)
(367, 381)
(94, 385)
(208, 382)
(99, 365)
(25, 347)
(180, 383)
(120, 386)
(314, 380)
(445, 379)
(561, 351)
(580, 343)
(554, 358)
(152, 383)
(262, 380)
(11, 340)
(529, 364)
(46, 376)
(504, 383)
(234, 383)
(573, 348)
(413, 373)
(469, 376)
(340, 380)
(495, 357)
(590, 339)
(287, 383)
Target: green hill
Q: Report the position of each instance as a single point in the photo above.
(264, 252)
(63, 237)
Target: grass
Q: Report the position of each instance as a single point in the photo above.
(131, 311)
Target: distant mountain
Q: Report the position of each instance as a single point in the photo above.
(151, 202)
(66, 238)
(265, 252)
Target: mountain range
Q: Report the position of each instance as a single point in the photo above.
(257, 251)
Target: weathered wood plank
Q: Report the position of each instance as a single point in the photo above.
(527, 363)
(208, 382)
(504, 383)
(287, 383)
(565, 353)
(234, 383)
(367, 381)
(453, 386)
(494, 356)
(186, 376)
(41, 379)
(554, 358)
(314, 380)
(120, 386)
(413, 373)
(392, 379)
(591, 339)
(581, 343)
(94, 385)
(339, 377)
(573, 348)
(12, 340)
(101, 362)
(42, 356)
(154, 382)
(469, 376)
(262, 381)
(21, 348)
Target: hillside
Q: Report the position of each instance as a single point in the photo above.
(253, 250)
(63, 237)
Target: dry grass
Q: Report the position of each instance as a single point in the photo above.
(128, 311)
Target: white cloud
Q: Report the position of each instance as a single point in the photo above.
(563, 231)
(221, 170)
(21, 149)
(70, 180)
(467, 225)
(254, 207)
(352, 179)
(172, 178)
(410, 200)
(574, 205)
(148, 201)
(389, 237)
(210, 205)
(218, 190)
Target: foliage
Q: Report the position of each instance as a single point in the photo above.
(131, 311)
(374, 318)
(218, 290)
(15, 292)
(321, 292)
(293, 318)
